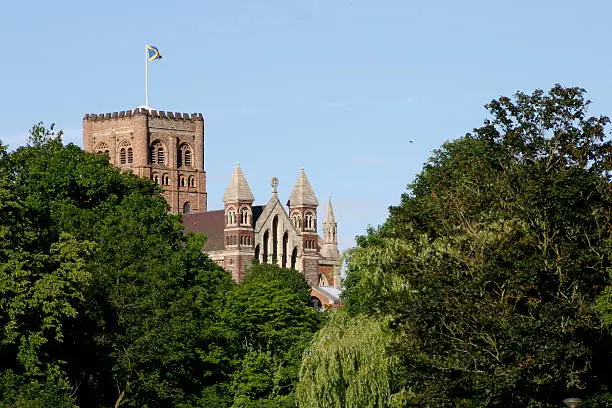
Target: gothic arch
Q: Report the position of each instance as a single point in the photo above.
(275, 240)
(266, 238)
(284, 250)
(294, 255)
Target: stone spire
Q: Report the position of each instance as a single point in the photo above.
(238, 189)
(303, 194)
(330, 227)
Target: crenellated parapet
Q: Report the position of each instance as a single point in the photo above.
(143, 111)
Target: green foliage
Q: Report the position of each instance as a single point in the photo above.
(105, 299)
(347, 365)
(17, 392)
(271, 323)
(490, 266)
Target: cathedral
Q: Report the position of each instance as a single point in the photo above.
(168, 148)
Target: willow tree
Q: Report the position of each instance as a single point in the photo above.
(347, 365)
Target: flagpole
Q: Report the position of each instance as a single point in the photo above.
(146, 77)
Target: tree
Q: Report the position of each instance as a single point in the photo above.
(271, 323)
(105, 300)
(490, 266)
(347, 365)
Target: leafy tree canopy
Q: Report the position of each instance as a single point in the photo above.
(105, 300)
(272, 322)
(490, 266)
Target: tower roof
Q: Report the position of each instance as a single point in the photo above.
(302, 194)
(238, 189)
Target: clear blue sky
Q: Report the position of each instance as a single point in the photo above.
(338, 87)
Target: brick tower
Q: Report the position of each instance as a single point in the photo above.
(163, 146)
(238, 231)
(303, 212)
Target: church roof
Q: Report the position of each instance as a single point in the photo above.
(303, 194)
(212, 224)
(238, 189)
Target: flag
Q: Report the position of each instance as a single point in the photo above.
(153, 53)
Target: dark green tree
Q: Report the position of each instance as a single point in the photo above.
(490, 266)
(106, 302)
(271, 323)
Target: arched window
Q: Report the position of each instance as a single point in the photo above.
(125, 150)
(155, 177)
(294, 257)
(257, 252)
(275, 240)
(158, 155)
(130, 155)
(309, 220)
(192, 182)
(166, 179)
(245, 216)
(186, 208)
(266, 238)
(184, 155)
(231, 216)
(284, 254)
(182, 180)
(296, 220)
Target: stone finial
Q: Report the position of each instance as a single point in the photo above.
(274, 185)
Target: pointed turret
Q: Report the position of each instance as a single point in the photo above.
(238, 189)
(239, 236)
(330, 227)
(329, 248)
(303, 194)
(303, 213)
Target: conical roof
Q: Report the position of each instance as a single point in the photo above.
(302, 194)
(238, 189)
(330, 219)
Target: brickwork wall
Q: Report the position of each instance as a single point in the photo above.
(310, 269)
(138, 129)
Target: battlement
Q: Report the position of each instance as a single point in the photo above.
(143, 111)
